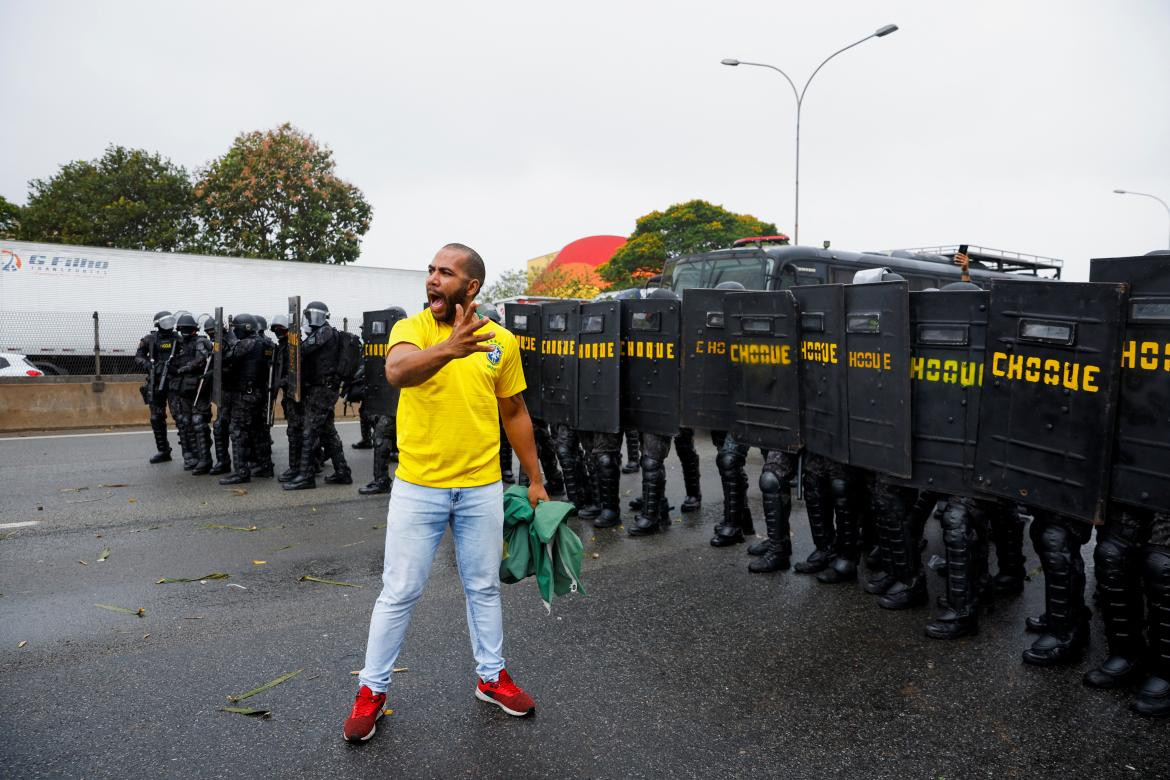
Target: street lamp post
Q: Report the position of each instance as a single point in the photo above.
(881, 32)
(1147, 195)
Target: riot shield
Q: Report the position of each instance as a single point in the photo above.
(877, 349)
(558, 363)
(217, 361)
(294, 348)
(764, 343)
(381, 398)
(1049, 401)
(948, 331)
(599, 367)
(523, 320)
(651, 361)
(823, 380)
(706, 393)
(1141, 450)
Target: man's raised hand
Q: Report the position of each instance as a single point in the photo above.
(464, 340)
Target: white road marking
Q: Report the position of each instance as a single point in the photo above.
(122, 433)
(24, 524)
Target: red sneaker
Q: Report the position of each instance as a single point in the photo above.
(506, 695)
(362, 721)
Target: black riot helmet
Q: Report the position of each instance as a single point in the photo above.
(159, 316)
(244, 325)
(209, 326)
(280, 325)
(397, 312)
(187, 325)
(662, 294)
(166, 323)
(730, 285)
(490, 311)
(316, 314)
(261, 323)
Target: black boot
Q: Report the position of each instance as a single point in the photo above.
(819, 508)
(223, 459)
(575, 482)
(554, 481)
(777, 509)
(242, 473)
(633, 453)
(650, 519)
(202, 437)
(1118, 570)
(1153, 698)
(307, 467)
(1007, 532)
(1058, 543)
(380, 485)
(342, 477)
(729, 530)
(689, 458)
(966, 572)
(847, 550)
(362, 445)
(158, 426)
(609, 489)
(187, 445)
(897, 520)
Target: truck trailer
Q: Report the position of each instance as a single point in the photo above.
(82, 310)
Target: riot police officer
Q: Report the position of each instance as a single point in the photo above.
(154, 350)
(220, 429)
(383, 427)
(193, 392)
(262, 430)
(320, 387)
(248, 387)
(294, 417)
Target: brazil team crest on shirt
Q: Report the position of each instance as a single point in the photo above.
(496, 354)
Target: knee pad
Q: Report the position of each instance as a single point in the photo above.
(1110, 553)
(606, 460)
(770, 483)
(728, 462)
(1156, 566)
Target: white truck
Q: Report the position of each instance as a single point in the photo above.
(57, 301)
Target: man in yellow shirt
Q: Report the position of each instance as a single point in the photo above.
(460, 376)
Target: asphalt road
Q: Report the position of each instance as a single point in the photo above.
(678, 662)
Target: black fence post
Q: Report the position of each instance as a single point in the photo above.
(98, 385)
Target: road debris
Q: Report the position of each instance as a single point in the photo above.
(104, 554)
(311, 578)
(256, 713)
(222, 527)
(266, 686)
(215, 575)
(239, 491)
(21, 644)
(140, 612)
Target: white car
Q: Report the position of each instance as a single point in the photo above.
(13, 364)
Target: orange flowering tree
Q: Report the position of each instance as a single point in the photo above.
(276, 195)
(562, 283)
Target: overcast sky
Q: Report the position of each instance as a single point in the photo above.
(517, 127)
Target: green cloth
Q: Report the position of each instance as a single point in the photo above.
(540, 543)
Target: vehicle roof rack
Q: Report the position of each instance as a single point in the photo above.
(998, 260)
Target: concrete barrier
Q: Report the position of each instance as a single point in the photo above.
(61, 402)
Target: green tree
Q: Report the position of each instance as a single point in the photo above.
(128, 198)
(9, 218)
(509, 284)
(276, 195)
(684, 228)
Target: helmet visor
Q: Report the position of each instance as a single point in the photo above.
(166, 323)
(315, 318)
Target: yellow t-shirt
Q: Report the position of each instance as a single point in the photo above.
(449, 426)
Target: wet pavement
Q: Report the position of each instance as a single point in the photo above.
(678, 662)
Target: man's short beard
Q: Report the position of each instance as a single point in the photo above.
(459, 298)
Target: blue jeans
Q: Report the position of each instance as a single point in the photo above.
(415, 523)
